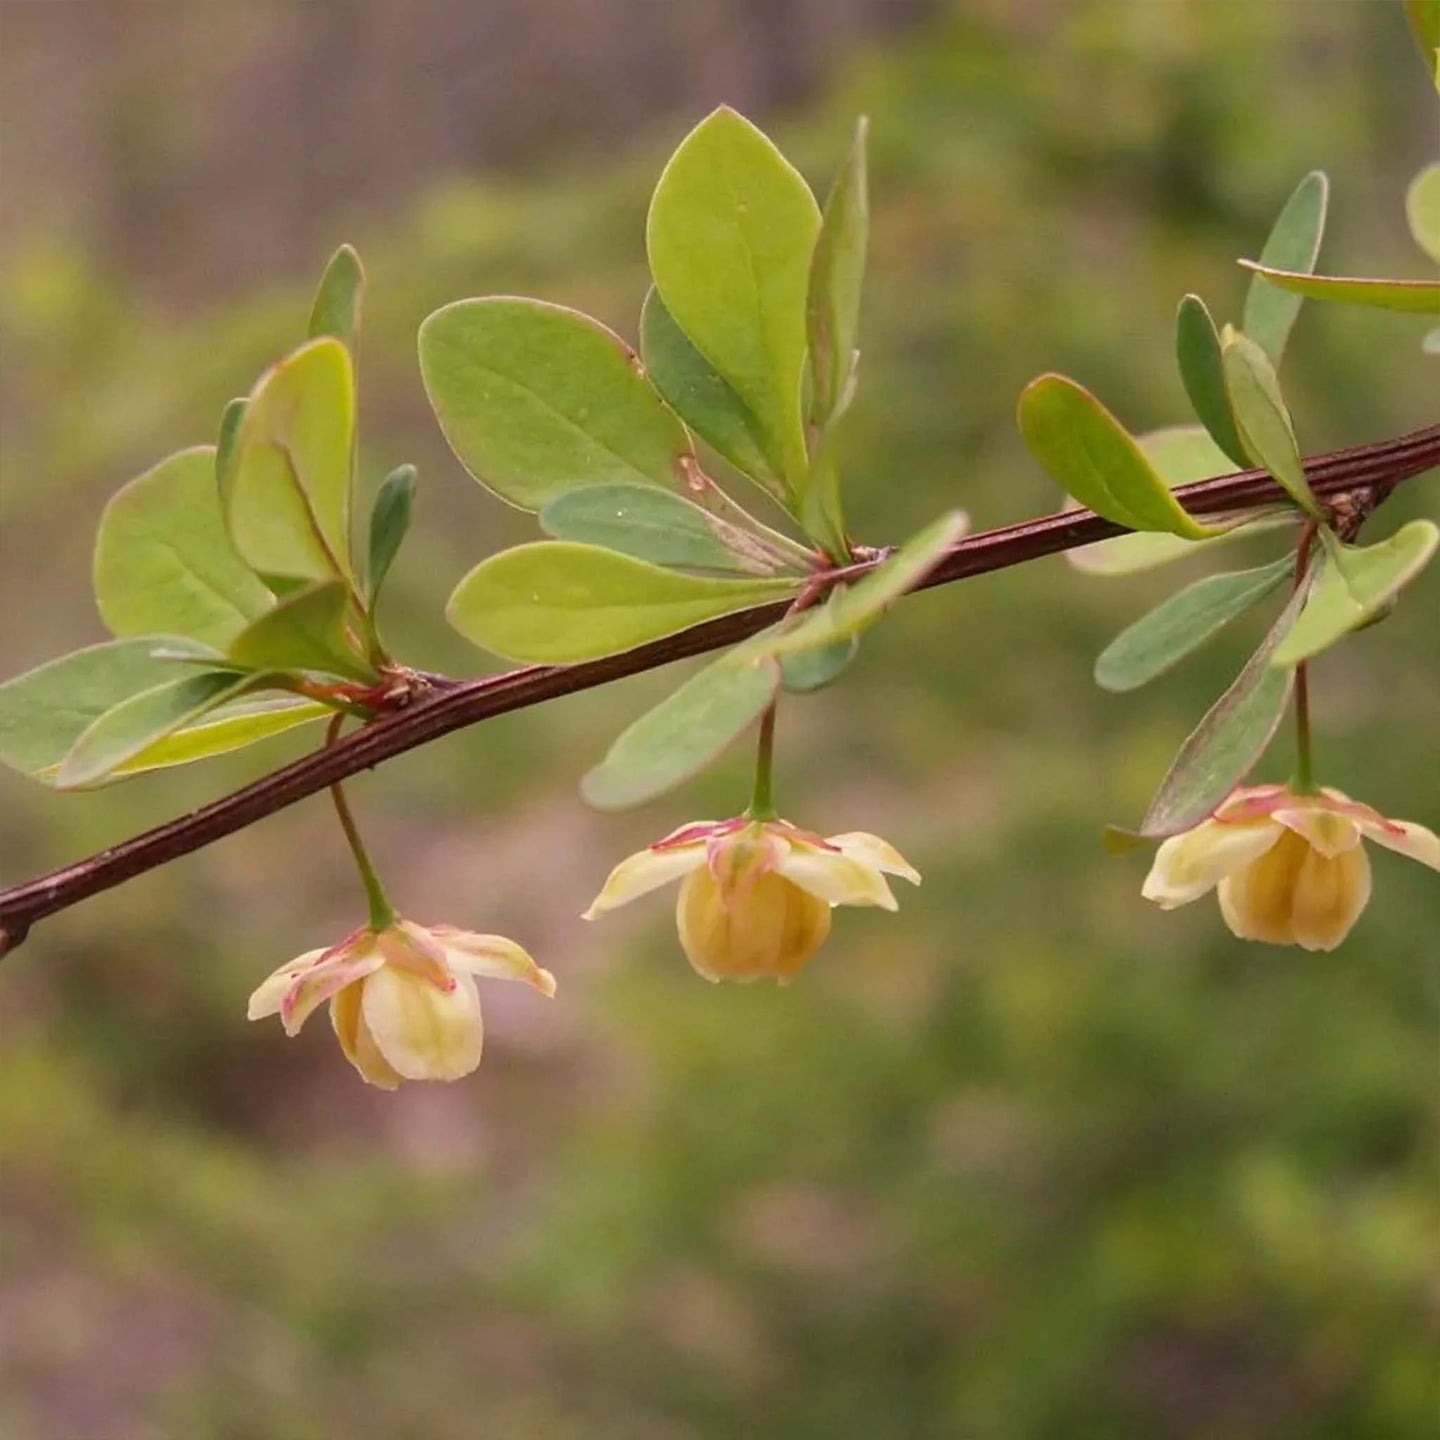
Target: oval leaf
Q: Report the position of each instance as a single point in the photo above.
(702, 397)
(1221, 750)
(808, 670)
(286, 491)
(1197, 349)
(44, 711)
(536, 399)
(228, 727)
(305, 631)
(1294, 245)
(1183, 623)
(389, 524)
(1356, 587)
(684, 732)
(164, 562)
(1263, 420)
(132, 726)
(336, 310)
(655, 525)
(837, 275)
(555, 602)
(730, 235)
(1422, 209)
(1416, 297)
(1097, 460)
(849, 611)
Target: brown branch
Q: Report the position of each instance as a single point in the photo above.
(1363, 474)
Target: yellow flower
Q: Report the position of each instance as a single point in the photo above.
(756, 895)
(1291, 868)
(402, 1000)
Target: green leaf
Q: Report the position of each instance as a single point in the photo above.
(1097, 460)
(44, 711)
(1422, 209)
(1197, 348)
(536, 399)
(126, 730)
(1424, 16)
(164, 562)
(655, 525)
(1183, 623)
(1263, 420)
(389, 524)
(1294, 245)
(684, 732)
(228, 727)
(703, 398)
(1221, 750)
(851, 610)
(730, 235)
(1415, 297)
(305, 631)
(1182, 454)
(1357, 586)
(837, 274)
(808, 670)
(230, 421)
(338, 299)
(555, 602)
(286, 491)
(1431, 343)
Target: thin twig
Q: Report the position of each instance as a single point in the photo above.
(450, 705)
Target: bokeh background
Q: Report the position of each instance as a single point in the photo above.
(1029, 1159)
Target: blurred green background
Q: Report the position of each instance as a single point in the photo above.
(1029, 1159)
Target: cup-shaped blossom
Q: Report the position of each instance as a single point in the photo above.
(756, 895)
(403, 999)
(1290, 868)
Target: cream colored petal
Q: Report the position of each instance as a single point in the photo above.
(1257, 900)
(1330, 892)
(356, 1040)
(768, 934)
(492, 956)
(1325, 830)
(880, 854)
(413, 948)
(1405, 837)
(643, 872)
(315, 986)
(423, 1032)
(271, 991)
(1190, 865)
(836, 878)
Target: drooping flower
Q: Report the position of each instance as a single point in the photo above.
(755, 895)
(1291, 868)
(403, 999)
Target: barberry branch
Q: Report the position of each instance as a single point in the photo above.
(1350, 482)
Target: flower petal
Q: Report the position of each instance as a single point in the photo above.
(873, 851)
(357, 1042)
(836, 878)
(643, 872)
(1328, 831)
(1257, 900)
(423, 1032)
(1405, 837)
(271, 991)
(325, 978)
(492, 956)
(768, 934)
(1330, 892)
(1190, 865)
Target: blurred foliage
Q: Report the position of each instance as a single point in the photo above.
(1029, 1159)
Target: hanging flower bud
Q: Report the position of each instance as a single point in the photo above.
(1291, 868)
(756, 896)
(402, 998)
